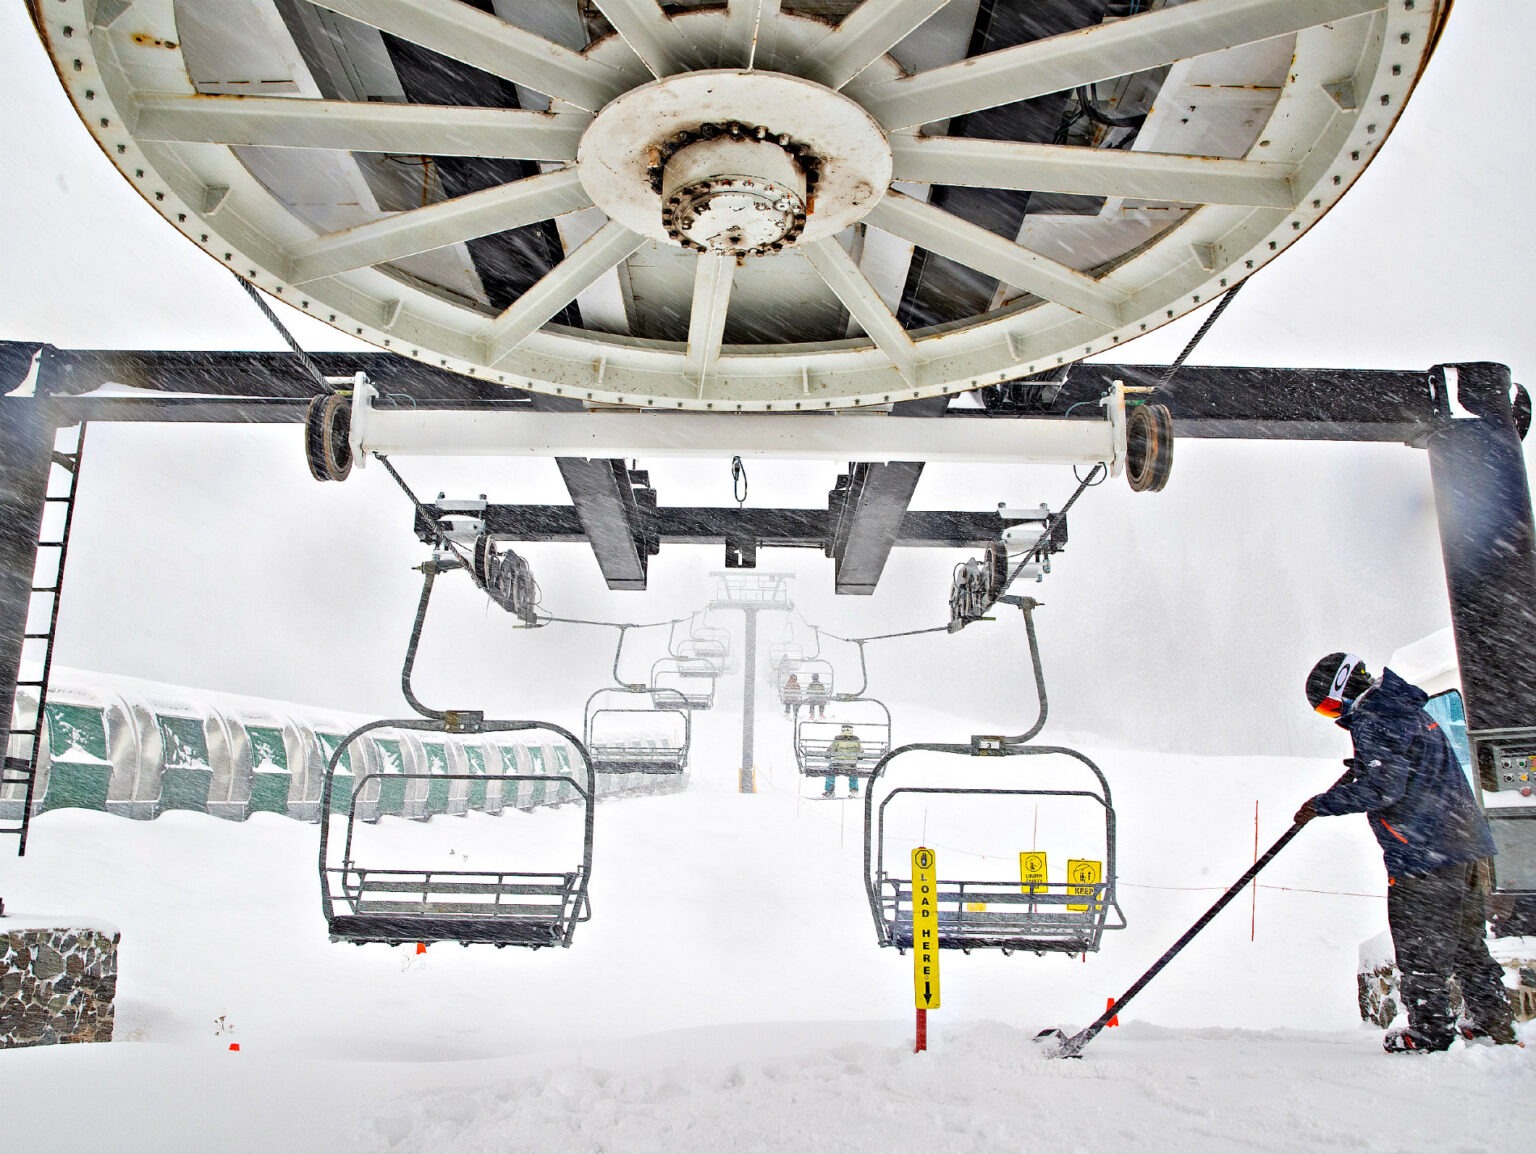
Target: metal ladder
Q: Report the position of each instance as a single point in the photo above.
(23, 737)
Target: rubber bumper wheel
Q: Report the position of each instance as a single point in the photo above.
(1148, 448)
(327, 427)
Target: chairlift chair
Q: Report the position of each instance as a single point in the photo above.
(818, 756)
(1037, 915)
(623, 739)
(365, 902)
(1061, 916)
(691, 679)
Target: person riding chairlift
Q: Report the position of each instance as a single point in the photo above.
(816, 694)
(791, 696)
(843, 753)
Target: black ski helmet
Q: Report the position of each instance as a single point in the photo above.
(1335, 679)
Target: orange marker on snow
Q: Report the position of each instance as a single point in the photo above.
(421, 947)
(234, 1045)
(1109, 1004)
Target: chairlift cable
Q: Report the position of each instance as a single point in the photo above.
(1226, 299)
(421, 511)
(304, 358)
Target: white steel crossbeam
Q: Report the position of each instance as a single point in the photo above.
(506, 206)
(844, 277)
(712, 281)
(1091, 171)
(975, 247)
(561, 285)
(812, 437)
(865, 34)
(1071, 59)
(477, 38)
(354, 126)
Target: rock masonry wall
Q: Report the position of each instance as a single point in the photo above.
(56, 985)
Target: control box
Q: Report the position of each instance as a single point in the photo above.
(1506, 760)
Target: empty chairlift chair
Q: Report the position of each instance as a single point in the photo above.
(1061, 896)
(384, 901)
(650, 736)
(1053, 903)
(692, 680)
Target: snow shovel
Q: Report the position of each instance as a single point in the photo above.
(1062, 1046)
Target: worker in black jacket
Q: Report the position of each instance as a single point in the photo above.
(1406, 779)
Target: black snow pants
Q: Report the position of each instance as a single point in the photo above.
(1439, 932)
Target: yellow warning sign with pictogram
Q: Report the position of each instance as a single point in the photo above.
(1083, 877)
(925, 929)
(1032, 871)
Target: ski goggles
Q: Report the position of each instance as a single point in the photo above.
(1333, 704)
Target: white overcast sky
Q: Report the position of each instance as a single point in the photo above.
(1186, 619)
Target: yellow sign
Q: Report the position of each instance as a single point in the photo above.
(1083, 877)
(1032, 870)
(925, 929)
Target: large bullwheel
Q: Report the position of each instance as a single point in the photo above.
(742, 207)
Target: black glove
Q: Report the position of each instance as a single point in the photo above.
(1306, 813)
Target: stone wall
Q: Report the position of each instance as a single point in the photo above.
(57, 983)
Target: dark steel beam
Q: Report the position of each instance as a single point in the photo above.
(26, 455)
(706, 525)
(868, 507)
(603, 495)
(1488, 541)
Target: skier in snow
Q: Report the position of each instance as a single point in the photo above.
(816, 698)
(1406, 779)
(790, 695)
(843, 753)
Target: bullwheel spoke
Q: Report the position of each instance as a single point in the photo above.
(865, 34)
(560, 286)
(477, 38)
(498, 209)
(650, 34)
(706, 320)
(1091, 171)
(1072, 59)
(975, 247)
(414, 129)
(863, 303)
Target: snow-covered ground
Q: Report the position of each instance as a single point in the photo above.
(728, 995)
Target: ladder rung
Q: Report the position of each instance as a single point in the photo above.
(59, 544)
(36, 636)
(30, 684)
(45, 589)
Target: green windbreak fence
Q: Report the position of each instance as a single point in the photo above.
(79, 774)
(529, 794)
(392, 787)
(270, 773)
(565, 791)
(474, 756)
(437, 788)
(341, 785)
(187, 774)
